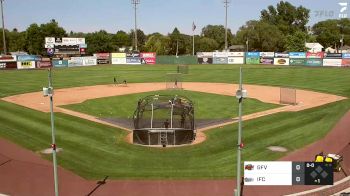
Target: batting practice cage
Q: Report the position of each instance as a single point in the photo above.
(164, 120)
(183, 69)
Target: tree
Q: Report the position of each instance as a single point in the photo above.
(207, 44)
(34, 39)
(296, 42)
(51, 29)
(16, 40)
(328, 33)
(177, 42)
(158, 43)
(286, 17)
(141, 38)
(262, 36)
(99, 41)
(121, 39)
(217, 33)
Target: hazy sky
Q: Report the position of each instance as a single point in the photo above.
(153, 15)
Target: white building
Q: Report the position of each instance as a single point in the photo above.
(314, 47)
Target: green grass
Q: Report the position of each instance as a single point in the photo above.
(94, 151)
(207, 106)
(332, 80)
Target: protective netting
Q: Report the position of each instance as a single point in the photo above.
(288, 96)
(164, 119)
(173, 81)
(182, 69)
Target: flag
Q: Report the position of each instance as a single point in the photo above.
(193, 26)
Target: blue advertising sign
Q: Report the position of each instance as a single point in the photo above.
(281, 55)
(133, 60)
(253, 54)
(60, 63)
(346, 55)
(297, 55)
(28, 58)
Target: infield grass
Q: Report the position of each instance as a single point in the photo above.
(207, 106)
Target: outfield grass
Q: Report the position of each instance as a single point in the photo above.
(331, 80)
(93, 150)
(207, 106)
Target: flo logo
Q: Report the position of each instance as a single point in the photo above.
(343, 9)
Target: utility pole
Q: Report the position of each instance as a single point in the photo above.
(240, 95)
(135, 3)
(3, 27)
(48, 92)
(226, 2)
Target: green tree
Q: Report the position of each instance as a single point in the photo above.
(52, 29)
(34, 39)
(286, 17)
(207, 45)
(7, 40)
(121, 39)
(17, 41)
(262, 36)
(158, 43)
(217, 33)
(296, 42)
(141, 38)
(100, 41)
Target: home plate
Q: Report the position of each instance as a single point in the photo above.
(49, 150)
(277, 149)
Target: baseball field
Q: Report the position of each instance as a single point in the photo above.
(93, 150)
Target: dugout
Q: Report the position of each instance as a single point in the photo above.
(164, 120)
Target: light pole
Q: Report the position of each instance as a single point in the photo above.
(3, 27)
(240, 95)
(135, 3)
(226, 2)
(49, 92)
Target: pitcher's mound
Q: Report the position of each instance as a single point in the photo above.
(49, 150)
(277, 149)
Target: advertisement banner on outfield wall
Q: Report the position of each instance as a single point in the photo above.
(235, 54)
(345, 62)
(219, 55)
(118, 61)
(75, 61)
(267, 54)
(7, 58)
(297, 61)
(281, 55)
(60, 63)
(253, 55)
(43, 64)
(148, 58)
(8, 65)
(236, 60)
(205, 60)
(297, 55)
(314, 62)
(133, 55)
(102, 56)
(204, 55)
(332, 62)
(28, 58)
(133, 60)
(281, 61)
(346, 55)
(252, 61)
(333, 55)
(266, 61)
(89, 61)
(316, 55)
(220, 60)
(118, 55)
(26, 65)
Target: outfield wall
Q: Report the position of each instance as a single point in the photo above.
(276, 58)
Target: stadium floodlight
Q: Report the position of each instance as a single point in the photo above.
(135, 3)
(226, 2)
(3, 27)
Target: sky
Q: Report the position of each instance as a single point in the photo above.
(153, 15)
